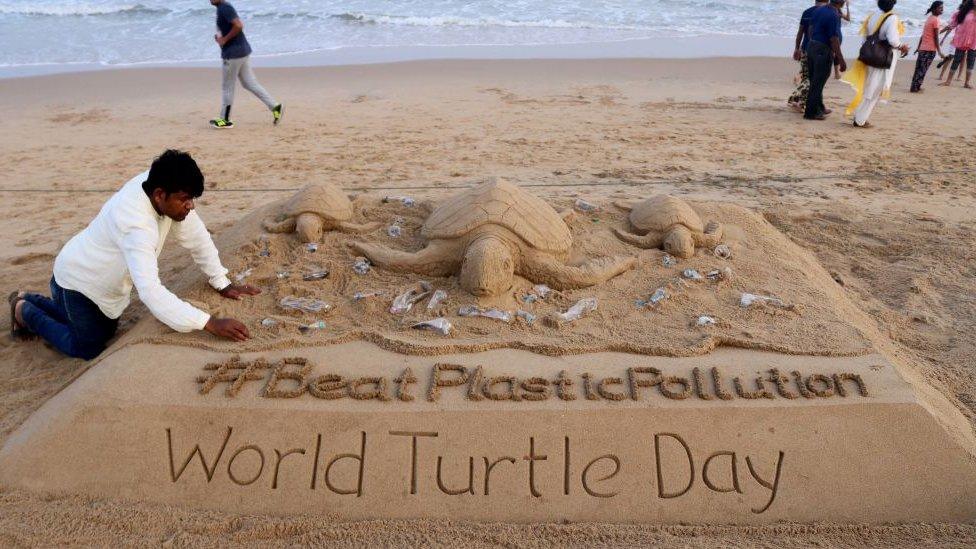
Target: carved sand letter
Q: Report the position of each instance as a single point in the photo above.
(675, 395)
(280, 373)
(798, 379)
(532, 458)
(361, 458)
(781, 380)
(230, 465)
(720, 391)
(413, 453)
(328, 387)
(760, 392)
(564, 385)
(475, 380)
(510, 384)
(536, 388)
(315, 460)
(379, 389)
(437, 380)
(660, 471)
(232, 371)
(734, 469)
(772, 487)
(586, 470)
(699, 380)
(827, 382)
(588, 391)
(279, 457)
(449, 491)
(607, 393)
(208, 469)
(403, 383)
(842, 391)
(491, 465)
(636, 383)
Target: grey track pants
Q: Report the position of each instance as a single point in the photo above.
(241, 68)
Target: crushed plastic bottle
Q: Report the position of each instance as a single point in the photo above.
(239, 277)
(306, 304)
(581, 307)
(497, 314)
(528, 317)
(584, 206)
(282, 275)
(655, 299)
(311, 247)
(705, 320)
(361, 266)
(530, 298)
(669, 261)
(405, 301)
(394, 231)
(305, 328)
(316, 275)
(692, 274)
(405, 200)
(359, 296)
(542, 290)
(269, 323)
(436, 299)
(723, 251)
(748, 300)
(440, 325)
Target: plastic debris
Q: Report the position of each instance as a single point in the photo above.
(581, 307)
(361, 266)
(305, 328)
(585, 206)
(282, 275)
(471, 310)
(269, 323)
(669, 260)
(528, 317)
(542, 290)
(243, 274)
(705, 320)
(306, 304)
(656, 298)
(692, 274)
(440, 325)
(316, 275)
(266, 252)
(394, 231)
(405, 200)
(405, 301)
(359, 296)
(722, 251)
(717, 275)
(436, 300)
(311, 247)
(748, 300)
(530, 298)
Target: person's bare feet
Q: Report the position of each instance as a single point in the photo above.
(968, 86)
(946, 84)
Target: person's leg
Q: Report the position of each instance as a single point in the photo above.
(970, 65)
(820, 63)
(232, 68)
(922, 65)
(799, 98)
(873, 86)
(251, 84)
(957, 59)
(85, 330)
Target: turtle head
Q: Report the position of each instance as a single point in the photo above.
(488, 267)
(680, 242)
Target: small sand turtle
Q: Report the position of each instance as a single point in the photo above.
(670, 223)
(314, 210)
(491, 233)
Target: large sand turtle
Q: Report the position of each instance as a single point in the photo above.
(670, 223)
(492, 232)
(316, 209)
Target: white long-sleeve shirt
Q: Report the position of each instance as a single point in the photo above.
(120, 249)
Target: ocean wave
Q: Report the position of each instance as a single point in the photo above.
(77, 10)
(454, 21)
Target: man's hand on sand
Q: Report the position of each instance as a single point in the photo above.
(227, 328)
(236, 291)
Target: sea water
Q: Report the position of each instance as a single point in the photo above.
(123, 32)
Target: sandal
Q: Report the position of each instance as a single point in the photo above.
(17, 331)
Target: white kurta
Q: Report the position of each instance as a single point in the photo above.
(878, 81)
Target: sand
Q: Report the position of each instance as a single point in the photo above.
(713, 130)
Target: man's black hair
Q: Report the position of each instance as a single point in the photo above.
(886, 5)
(174, 171)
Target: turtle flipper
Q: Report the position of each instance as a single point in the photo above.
(546, 270)
(285, 226)
(652, 239)
(436, 259)
(357, 228)
(712, 235)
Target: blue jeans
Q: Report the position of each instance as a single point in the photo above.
(69, 321)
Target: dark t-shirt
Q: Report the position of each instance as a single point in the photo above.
(805, 24)
(825, 24)
(238, 47)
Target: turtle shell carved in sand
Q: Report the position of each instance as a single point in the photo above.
(492, 232)
(314, 210)
(670, 223)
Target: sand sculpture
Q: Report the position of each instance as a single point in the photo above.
(314, 210)
(492, 232)
(670, 223)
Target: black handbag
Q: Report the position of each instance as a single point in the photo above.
(875, 52)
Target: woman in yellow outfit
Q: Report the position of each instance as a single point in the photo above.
(872, 84)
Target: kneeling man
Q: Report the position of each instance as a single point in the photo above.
(96, 270)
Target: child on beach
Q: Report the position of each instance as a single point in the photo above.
(928, 45)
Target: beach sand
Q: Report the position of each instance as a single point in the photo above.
(886, 211)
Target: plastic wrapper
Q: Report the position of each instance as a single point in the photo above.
(359, 296)
(305, 328)
(316, 275)
(405, 200)
(669, 261)
(584, 206)
(282, 275)
(526, 316)
(305, 304)
(655, 299)
(722, 251)
(239, 277)
(692, 274)
(405, 301)
(497, 314)
(717, 275)
(705, 320)
(440, 325)
(311, 247)
(748, 300)
(269, 323)
(577, 311)
(361, 266)
(394, 231)
(436, 299)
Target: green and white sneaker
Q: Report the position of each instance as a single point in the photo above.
(221, 124)
(278, 111)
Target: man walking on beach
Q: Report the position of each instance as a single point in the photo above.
(822, 54)
(95, 271)
(236, 54)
